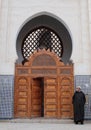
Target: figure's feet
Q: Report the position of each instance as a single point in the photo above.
(81, 122)
(76, 122)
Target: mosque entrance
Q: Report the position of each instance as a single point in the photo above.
(44, 97)
(44, 79)
(44, 87)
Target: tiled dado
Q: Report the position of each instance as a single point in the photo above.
(85, 82)
(7, 94)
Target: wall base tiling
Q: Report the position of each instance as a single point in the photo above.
(85, 82)
(7, 94)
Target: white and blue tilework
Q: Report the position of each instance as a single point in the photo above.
(6, 96)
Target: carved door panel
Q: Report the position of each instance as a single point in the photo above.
(66, 92)
(22, 92)
(50, 97)
(36, 97)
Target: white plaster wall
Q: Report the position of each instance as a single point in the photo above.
(89, 10)
(75, 14)
(82, 66)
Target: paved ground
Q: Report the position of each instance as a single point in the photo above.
(26, 124)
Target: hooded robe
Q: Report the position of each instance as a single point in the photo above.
(78, 106)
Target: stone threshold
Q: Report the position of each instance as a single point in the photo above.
(39, 120)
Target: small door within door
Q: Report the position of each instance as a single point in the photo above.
(37, 97)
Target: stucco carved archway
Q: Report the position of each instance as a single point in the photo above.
(50, 21)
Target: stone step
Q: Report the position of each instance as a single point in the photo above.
(42, 120)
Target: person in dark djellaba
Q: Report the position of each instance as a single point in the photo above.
(78, 105)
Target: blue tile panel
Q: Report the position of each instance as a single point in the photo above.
(85, 82)
(6, 96)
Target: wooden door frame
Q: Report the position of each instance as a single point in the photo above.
(51, 67)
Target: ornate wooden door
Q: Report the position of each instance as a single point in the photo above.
(36, 98)
(66, 92)
(50, 97)
(22, 97)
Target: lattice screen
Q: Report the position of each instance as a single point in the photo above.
(41, 38)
